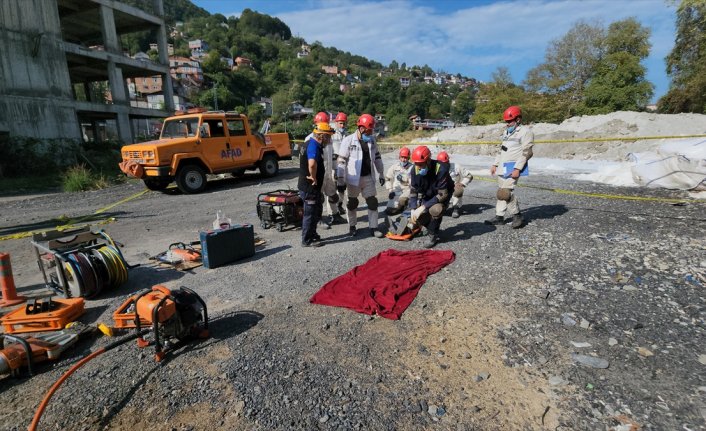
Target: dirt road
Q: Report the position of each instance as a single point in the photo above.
(490, 343)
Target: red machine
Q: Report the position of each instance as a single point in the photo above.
(280, 208)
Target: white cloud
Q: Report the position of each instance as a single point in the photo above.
(474, 40)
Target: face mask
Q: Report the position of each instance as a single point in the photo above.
(423, 171)
(511, 129)
(367, 138)
(404, 164)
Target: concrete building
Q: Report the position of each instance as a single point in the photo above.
(52, 82)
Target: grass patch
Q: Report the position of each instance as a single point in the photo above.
(79, 178)
(15, 186)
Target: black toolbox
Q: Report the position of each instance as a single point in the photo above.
(223, 246)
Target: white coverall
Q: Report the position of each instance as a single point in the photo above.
(461, 177)
(336, 144)
(516, 147)
(398, 177)
(350, 162)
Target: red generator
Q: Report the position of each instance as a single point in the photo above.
(280, 208)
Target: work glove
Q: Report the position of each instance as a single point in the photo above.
(391, 195)
(416, 213)
(382, 181)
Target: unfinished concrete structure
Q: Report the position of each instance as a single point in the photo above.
(53, 54)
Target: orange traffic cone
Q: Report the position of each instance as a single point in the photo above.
(7, 283)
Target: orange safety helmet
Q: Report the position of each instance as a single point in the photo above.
(443, 157)
(421, 154)
(404, 152)
(341, 117)
(367, 121)
(323, 128)
(511, 113)
(321, 117)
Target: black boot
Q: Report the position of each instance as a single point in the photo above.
(497, 220)
(517, 221)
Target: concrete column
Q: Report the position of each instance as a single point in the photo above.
(167, 85)
(110, 35)
(118, 89)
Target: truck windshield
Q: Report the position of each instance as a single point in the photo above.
(180, 128)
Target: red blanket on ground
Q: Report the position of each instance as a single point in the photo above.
(386, 284)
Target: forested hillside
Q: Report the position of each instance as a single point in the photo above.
(593, 69)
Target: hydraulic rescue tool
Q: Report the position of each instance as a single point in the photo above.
(17, 352)
(173, 314)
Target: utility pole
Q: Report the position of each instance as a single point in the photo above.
(215, 96)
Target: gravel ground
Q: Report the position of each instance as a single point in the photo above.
(506, 337)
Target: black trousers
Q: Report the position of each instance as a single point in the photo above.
(313, 209)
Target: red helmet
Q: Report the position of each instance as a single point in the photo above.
(341, 117)
(421, 154)
(321, 117)
(367, 121)
(511, 113)
(443, 157)
(404, 152)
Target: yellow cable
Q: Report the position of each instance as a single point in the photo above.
(75, 223)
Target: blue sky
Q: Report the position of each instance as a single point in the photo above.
(471, 37)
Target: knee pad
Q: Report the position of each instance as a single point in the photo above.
(333, 199)
(436, 210)
(442, 195)
(352, 204)
(458, 190)
(372, 203)
(504, 195)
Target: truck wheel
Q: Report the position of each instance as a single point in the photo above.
(269, 166)
(191, 179)
(154, 184)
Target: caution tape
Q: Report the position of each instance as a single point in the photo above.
(601, 195)
(78, 222)
(550, 141)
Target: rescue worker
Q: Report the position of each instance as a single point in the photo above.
(430, 189)
(311, 180)
(333, 215)
(358, 160)
(397, 184)
(340, 132)
(515, 151)
(461, 178)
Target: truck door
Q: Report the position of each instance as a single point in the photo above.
(242, 145)
(214, 143)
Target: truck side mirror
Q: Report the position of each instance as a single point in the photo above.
(203, 131)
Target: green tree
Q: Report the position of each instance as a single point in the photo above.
(618, 82)
(463, 106)
(569, 64)
(494, 97)
(686, 63)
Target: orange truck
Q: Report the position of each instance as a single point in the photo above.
(195, 144)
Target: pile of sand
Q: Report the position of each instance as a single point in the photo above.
(619, 124)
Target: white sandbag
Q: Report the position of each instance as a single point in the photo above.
(678, 164)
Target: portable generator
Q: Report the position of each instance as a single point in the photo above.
(173, 314)
(280, 208)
